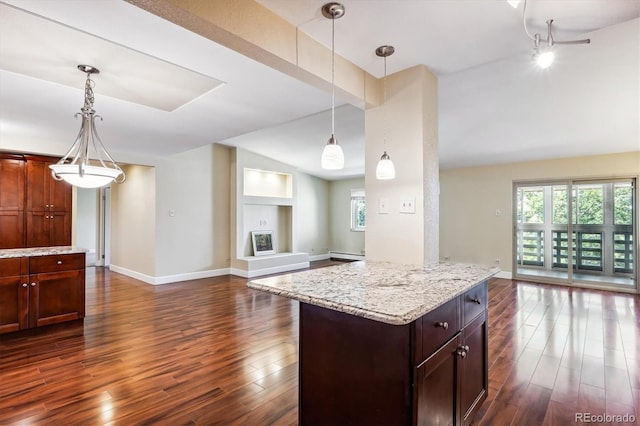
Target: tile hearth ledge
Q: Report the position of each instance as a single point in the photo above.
(381, 291)
(40, 251)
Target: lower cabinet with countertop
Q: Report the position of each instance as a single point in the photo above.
(408, 347)
(41, 286)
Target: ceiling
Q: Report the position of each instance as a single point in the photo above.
(494, 107)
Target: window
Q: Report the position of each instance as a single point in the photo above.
(358, 210)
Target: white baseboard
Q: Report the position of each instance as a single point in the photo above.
(346, 256)
(504, 274)
(166, 279)
(267, 271)
(325, 256)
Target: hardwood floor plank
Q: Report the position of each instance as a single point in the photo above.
(213, 351)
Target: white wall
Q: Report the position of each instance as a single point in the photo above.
(86, 218)
(343, 239)
(470, 231)
(313, 226)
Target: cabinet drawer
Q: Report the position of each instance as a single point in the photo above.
(12, 266)
(56, 262)
(440, 325)
(474, 302)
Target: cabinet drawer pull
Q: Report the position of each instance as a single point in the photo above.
(59, 262)
(476, 300)
(444, 325)
(33, 284)
(46, 217)
(25, 285)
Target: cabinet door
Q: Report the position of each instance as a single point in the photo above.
(12, 190)
(13, 303)
(60, 228)
(59, 193)
(38, 225)
(37, 186)
(56, 297)
(473, 368)
(436, 387)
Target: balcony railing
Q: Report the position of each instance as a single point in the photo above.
(587, 246)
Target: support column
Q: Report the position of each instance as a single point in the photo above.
(409, 118)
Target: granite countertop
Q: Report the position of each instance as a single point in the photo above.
(40, 251)
(381, 291)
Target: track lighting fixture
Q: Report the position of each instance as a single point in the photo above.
(543, 49)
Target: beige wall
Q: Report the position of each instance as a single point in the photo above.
(133, 221)
(343, 239)
(470, 230)
(409, 120)
(194, 186)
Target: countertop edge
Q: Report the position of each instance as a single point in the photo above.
(404, 319)
(40, 251)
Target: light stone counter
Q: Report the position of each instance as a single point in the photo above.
(40, 251)
(381, 291)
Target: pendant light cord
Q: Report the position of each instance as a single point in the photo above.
(384, 106)
(333, 72)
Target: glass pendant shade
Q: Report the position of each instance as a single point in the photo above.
(385, 169)
(87, 164)
(332, 155)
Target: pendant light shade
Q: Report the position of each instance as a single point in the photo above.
(87, 164)
(385, 169)
(332, 155)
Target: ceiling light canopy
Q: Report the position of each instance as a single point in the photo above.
(87, 164)
(543, 50)
(332, 155)
(513, 3)
(385, 169)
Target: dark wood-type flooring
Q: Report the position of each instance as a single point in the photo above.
(213, 351)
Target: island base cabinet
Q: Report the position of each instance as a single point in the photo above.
(474, 366)
(352, 370)
(13, 304)
(436, 387)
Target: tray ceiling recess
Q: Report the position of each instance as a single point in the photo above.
(126, 74)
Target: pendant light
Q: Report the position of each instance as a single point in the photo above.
(385, 169)
(332, 156)
(87, 164)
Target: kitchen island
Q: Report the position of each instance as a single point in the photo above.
(382, 343)
(41, 286)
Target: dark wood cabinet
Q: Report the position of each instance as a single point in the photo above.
(35, 209)
(433, 371)
(12, 200)
(41, 290)
(14, 294)
(48, 207)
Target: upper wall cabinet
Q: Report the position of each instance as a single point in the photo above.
(48, 207)
(12, 190)
(35, 209)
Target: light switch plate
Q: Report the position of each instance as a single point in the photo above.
(408, 205)
(383, 206)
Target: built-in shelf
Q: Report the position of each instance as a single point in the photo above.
(256, 266)
(263, 183)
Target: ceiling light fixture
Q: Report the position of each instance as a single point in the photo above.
(543, 52)
(385, 169)
(77, 166)
(332, 155)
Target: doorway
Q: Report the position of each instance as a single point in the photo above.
(576, 232)
(92, 226)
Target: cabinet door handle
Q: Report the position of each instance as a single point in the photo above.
(461, 353)
(465, 348)
(476, 300)
(46, 217)
(444, 325)
(59, 262)
(33, 284)
(25, 285)
(46, 206)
